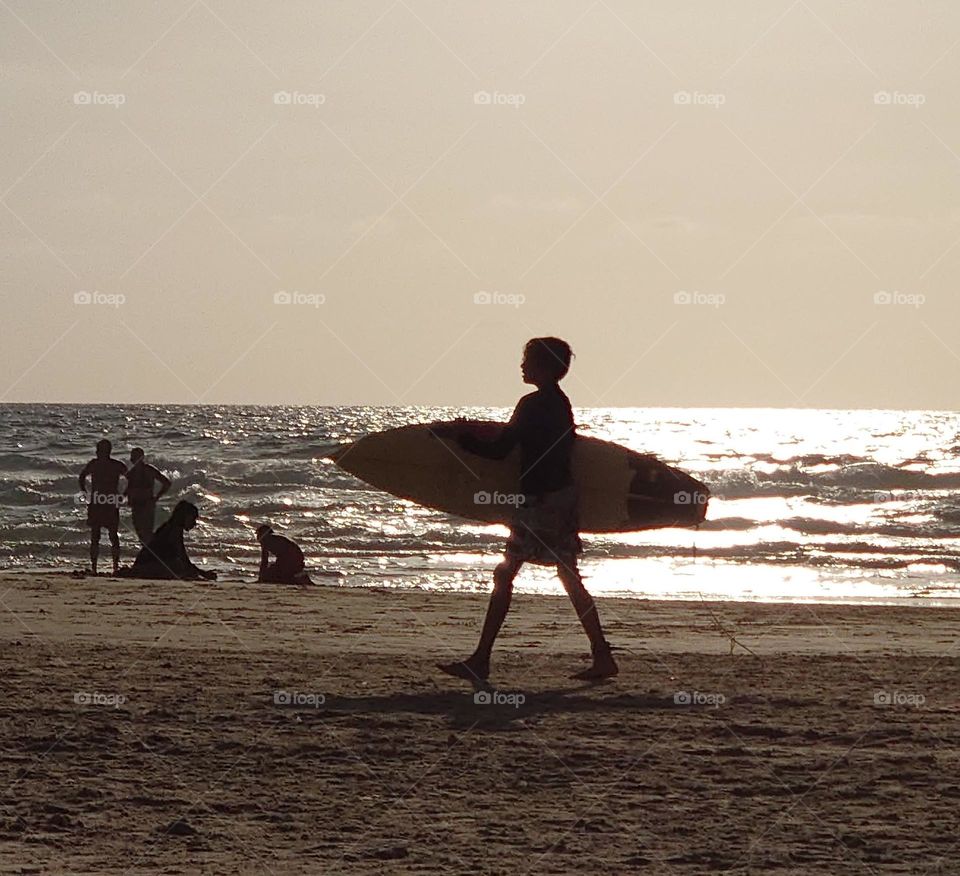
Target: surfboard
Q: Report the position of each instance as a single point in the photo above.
(619, 490)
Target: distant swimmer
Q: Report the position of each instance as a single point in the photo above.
(141, 495)
(288, 568)
(103, 508)
(165, 556)
(545, 526)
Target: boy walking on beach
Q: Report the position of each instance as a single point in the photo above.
(141, 496)
(103, 508)
(545, 527)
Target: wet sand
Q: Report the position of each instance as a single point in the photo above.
(142, 733)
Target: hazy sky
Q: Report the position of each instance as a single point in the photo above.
(739, 203)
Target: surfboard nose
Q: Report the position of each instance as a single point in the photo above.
(335, 452)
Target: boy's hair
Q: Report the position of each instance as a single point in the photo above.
(553, 353)
(104, 447)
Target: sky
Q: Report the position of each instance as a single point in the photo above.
(753, 203)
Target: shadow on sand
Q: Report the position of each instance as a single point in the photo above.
(491, 708)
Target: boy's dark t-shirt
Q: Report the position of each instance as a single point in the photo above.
(281, 546)
(542, 424)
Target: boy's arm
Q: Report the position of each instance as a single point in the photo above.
(499, 447)
(264, 562)
(84, 474)
(163, 480)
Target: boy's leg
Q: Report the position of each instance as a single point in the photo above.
(270, 575)
(115, 547)
(144, 515)
(477, 665)
(94, 547)
(604, 666)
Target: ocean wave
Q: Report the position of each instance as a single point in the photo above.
(852, 484)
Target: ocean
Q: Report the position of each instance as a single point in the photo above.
(808, 505)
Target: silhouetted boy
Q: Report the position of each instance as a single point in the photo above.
(288, 568)
(545, 529)
(103, 509)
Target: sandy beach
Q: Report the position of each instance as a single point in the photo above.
(143, 733)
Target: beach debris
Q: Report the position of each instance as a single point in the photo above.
(179, 827)
(390, 853)
(728, 632)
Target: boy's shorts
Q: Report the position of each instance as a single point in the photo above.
(545, 529)
(103, 515)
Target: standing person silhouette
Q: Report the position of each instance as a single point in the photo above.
(141, 497)
(544, 530)
(103, 508)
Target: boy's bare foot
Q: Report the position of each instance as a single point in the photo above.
(469, 669)
(604, 666)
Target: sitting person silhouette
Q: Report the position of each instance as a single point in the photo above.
(165, 556)
(288, 568)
